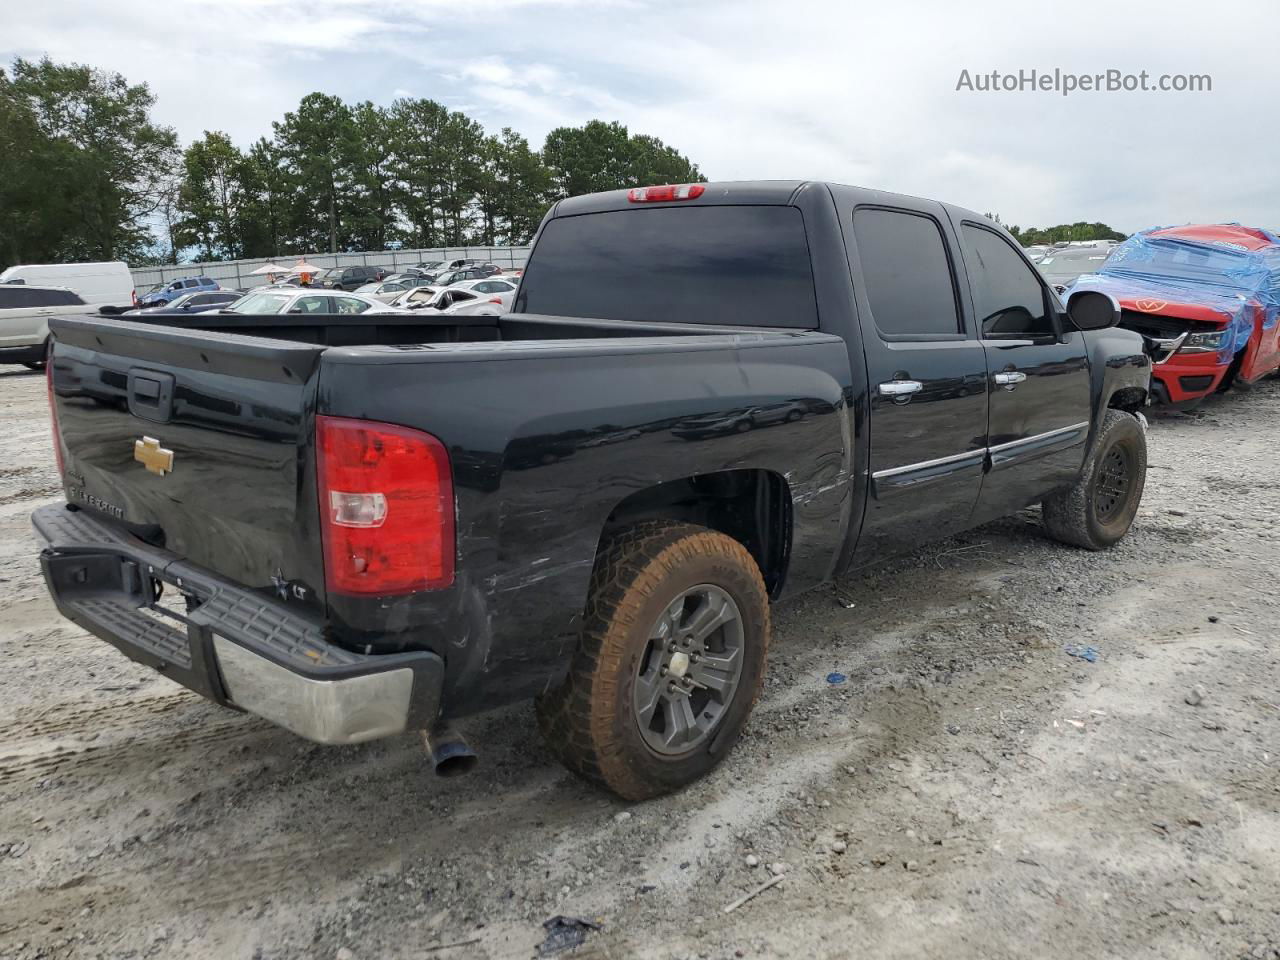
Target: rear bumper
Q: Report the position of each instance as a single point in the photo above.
(231, 645)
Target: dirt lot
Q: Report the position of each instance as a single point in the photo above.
(971, 790)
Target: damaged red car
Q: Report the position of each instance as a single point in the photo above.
(1207, 295)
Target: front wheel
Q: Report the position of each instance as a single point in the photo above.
(670, 662)
(1099, 510)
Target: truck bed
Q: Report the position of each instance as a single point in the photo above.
(334, 330)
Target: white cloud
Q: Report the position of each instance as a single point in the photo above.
(806, 88)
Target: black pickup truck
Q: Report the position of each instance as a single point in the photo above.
(707, 398)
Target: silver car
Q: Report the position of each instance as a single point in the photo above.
(495, 294)
(449, 300)
(302, 300)
(386, 290)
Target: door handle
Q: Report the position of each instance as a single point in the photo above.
(901, 390)
(1009, 379)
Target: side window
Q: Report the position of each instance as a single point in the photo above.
(349, 305)
(311, 305)
(190, 283)
(907, 274)
(1008, 297)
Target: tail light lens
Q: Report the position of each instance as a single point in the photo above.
(497, 300)
(53, 414)
(679, 191)
(386, 505)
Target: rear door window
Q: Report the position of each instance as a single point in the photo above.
(732, 265)
(906, 274)
(348, 305)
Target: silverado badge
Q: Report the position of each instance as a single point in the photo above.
(151, 455)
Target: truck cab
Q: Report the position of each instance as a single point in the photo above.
(706, 398)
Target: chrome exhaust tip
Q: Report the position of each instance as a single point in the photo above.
(451, 756)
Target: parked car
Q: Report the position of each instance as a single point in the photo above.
(417, 298)
(400, 542)
(25, 311)
(1063, 265)
(99, 284)
(287, 300)
(194, 302)
(465, 273)
(352, 278)
(175, 288)
(1210, 293)
(409, 279)
(494, 291)
(386, 291)
(455, 301)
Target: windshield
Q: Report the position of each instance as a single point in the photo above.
(260, 303)
(736, 265)
(1167, 258)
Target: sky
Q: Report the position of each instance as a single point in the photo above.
(803, 89)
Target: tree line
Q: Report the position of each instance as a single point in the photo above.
(1062, 233)
(87, 174)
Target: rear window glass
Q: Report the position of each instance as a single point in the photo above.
(19, 295)
(742, 265)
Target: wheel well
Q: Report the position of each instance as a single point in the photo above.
(752, 506)
(1128, 399)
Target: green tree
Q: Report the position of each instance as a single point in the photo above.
(315, 146)
(415, 128)
(96, 164)
(525, 188)
(603, 156)
(270, 206)
(212, 196)
(370, 217)
(1065, 232)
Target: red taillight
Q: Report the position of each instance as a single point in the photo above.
(53, 414)
(134, 294)
(497, 300)
(386, 507)
(679, 191)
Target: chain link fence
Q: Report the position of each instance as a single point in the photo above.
(238, 274)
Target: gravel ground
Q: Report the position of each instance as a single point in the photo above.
(971, 790)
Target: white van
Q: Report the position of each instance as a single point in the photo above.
(98, 284)
(32, 293)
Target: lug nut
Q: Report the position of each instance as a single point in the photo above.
(663, 671)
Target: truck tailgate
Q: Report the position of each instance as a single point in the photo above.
(195, 440)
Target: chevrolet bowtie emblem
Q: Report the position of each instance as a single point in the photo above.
(151, 455)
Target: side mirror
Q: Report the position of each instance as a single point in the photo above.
(295, 310)
(1093, 310)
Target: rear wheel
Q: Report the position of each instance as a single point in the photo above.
(670, 663)
(1099, 510)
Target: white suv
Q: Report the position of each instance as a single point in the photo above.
(24, 320)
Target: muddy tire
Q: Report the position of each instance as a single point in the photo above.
(1098, 511)
(671, 660)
